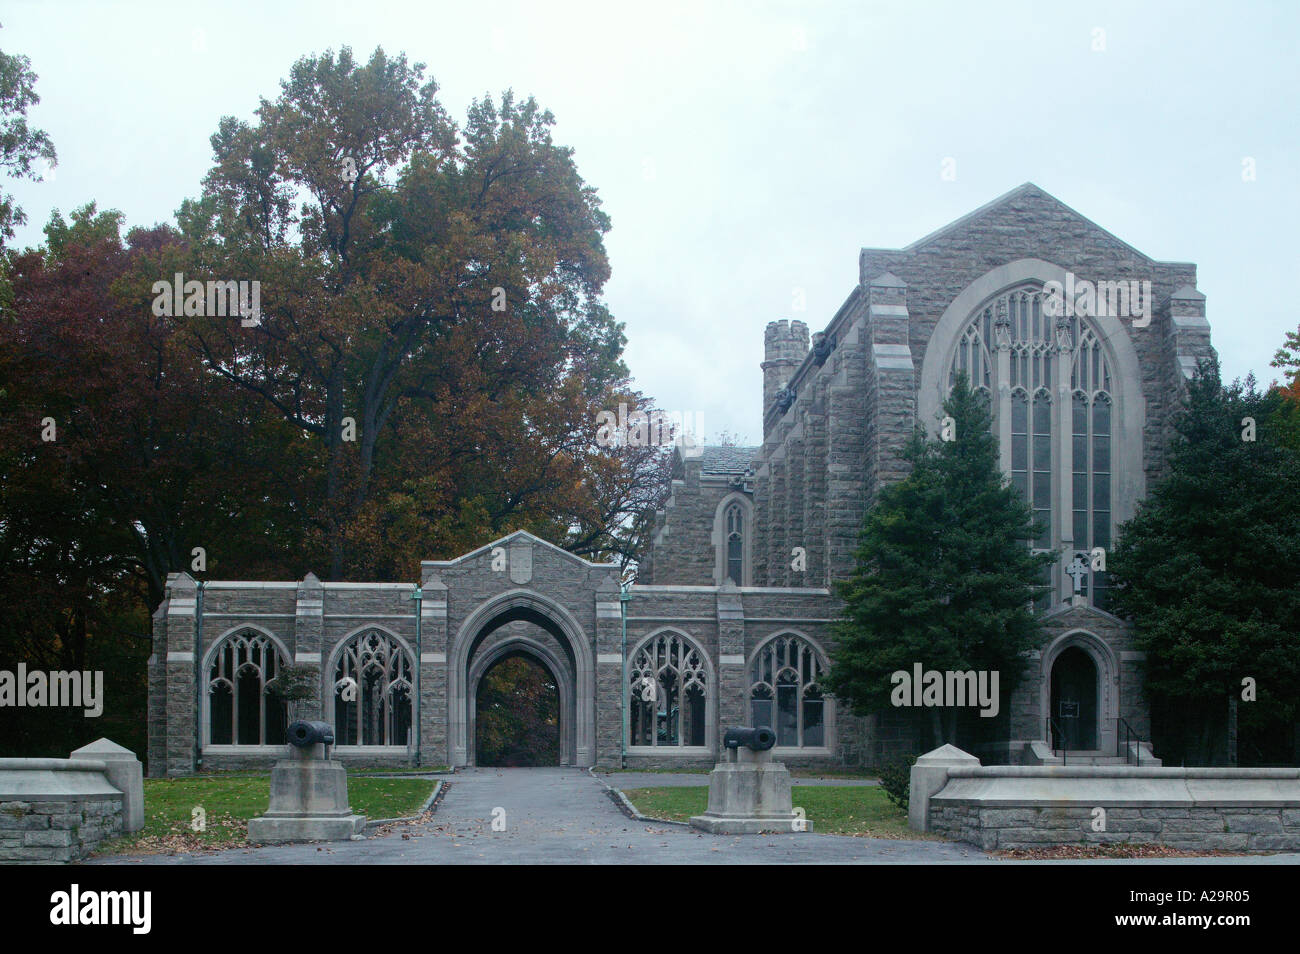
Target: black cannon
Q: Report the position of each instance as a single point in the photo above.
(759, 740)
(304, 734)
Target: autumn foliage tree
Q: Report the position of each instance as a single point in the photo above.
(424, 374)
(431, 320)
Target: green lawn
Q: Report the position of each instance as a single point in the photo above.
(834, 773)
(229, 801)
(861, 810)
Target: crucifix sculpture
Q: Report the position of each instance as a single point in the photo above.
(1078, 570)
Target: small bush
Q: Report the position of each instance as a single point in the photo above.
(895, 776)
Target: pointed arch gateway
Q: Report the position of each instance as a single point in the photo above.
(566, 655)
(1079, 693)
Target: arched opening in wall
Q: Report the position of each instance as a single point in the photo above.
(524, 623)
(668, 693)
(517, 714)
(1074, 701)
(373, 682)
(242, 706)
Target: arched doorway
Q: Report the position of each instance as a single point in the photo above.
(523, 622)
(1074, 701)
(517, 713)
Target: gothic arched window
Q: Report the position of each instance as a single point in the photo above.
(784, 692)
(372, 691)
(1015, 349)
(242, 709)
(668, 693)
(1091, 415)
(735, 542)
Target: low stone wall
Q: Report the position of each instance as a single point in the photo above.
(1010, 807)
(1206, 829)
(56, 809)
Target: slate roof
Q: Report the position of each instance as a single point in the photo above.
(716, 459)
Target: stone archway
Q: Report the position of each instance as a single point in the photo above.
(1074, 701)
(527, 713)
(1103, 675)
(554, 638)
(544, 655)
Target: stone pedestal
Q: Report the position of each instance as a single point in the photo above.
(309, 801)
(930, 775)
(749, 794)
(125, 773)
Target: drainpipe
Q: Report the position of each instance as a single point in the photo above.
(418, 597)
(198, 676)
(623, 597)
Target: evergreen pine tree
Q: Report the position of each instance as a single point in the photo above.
(944, 575)
(1209, 569)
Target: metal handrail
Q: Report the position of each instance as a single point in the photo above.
(1053, 724)
(1129, 737)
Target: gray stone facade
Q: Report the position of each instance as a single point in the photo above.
(838, 407)
(517, 595)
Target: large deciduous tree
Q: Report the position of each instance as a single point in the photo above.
(21, 146)
(119, 455)
(439, 287)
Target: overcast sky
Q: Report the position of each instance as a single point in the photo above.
(746, 151)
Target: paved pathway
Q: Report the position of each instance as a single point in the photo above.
(565, 816)
(631, 780)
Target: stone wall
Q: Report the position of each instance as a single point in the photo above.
(539, 596)
(684, 541)
(41, 832)
(1015, 807)
(1267, 828)
(56, 810)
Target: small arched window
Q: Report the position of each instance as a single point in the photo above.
(735, 543)
(784, 692)
(667, 693)
(372, 691)
(242, 708)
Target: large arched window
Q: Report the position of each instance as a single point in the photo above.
(242, 707)
(1057, 457)
(784, 692)
(1091, 415)
(372, 691)
(668, 693)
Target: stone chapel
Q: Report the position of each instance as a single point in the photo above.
(723, 626)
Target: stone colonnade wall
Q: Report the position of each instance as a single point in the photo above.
(473, 605)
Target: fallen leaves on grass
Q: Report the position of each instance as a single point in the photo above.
(223, 833)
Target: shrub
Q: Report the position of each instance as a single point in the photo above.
(296, 683)
(895, 776)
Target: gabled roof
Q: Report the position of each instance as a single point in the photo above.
(1020, 191)
(517, 535)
